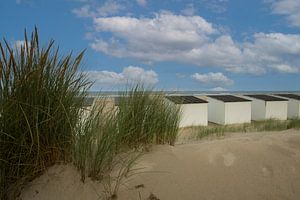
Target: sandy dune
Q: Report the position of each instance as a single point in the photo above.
(242, 166)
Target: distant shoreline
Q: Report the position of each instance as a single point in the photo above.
(116, 93)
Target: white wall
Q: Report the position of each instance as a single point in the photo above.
(237, 112)
(216, 111)
(258, 109)
(276, 110)
(299, 109)
(86, 111)
(193, 115)
(293, 108)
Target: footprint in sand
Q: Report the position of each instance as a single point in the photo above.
(229, 159)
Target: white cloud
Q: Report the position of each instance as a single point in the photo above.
(164, 37)
(84, 11)
(273, 51)
(218, 89)
(189, 10)
(19, 43)
(215, 79)
(286, 69)
(108, 8)
(142, 2)
(289, 8)
(130, 74)
(193, 40)
(138, 74)
(217, 6)
(106, 77)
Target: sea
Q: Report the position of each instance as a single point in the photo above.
(191, 93)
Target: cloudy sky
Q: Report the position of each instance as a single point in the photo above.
(170, 44)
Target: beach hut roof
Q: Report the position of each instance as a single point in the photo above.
(185, 99)
(228, 98)
(265, 97)
(88, 101)
(290, 96)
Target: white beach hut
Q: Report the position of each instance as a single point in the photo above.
(293, 104)
(228, 109)
(268, 107)
(88, 102)
(193, 109)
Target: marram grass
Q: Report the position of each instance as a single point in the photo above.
(95, 142)
(109, 138)
(140, 118)
(41, 94)
(144, 117)
(43, 121)
(256, 126)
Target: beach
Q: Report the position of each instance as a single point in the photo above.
(262, 165)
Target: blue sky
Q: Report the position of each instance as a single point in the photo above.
(172, 44)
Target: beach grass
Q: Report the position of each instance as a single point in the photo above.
(96, 154)
(41, 94)
(144, 117)
(95, 142)
(111, 139)
(43, 120)
(255, 126)
(140, 118)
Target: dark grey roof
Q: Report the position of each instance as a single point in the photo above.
(88, 101)
(185, 99)
(291, 96)
(228, 98)
(266, 97)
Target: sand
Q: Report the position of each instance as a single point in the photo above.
(241, 166)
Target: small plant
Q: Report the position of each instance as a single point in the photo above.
(294, 123)
(123, 167)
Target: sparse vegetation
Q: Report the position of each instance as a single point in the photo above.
(255, 126)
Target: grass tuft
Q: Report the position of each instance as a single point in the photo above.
(110, 138)
(95, 142)
(144, 117)
(255, 126)
(41, 94)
